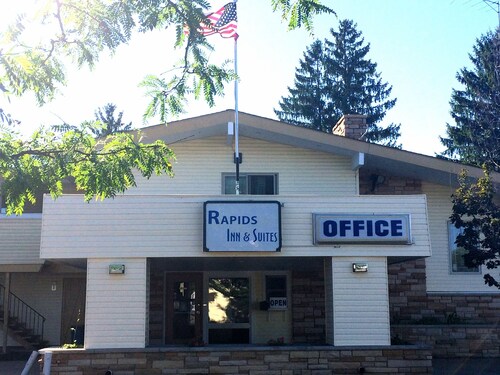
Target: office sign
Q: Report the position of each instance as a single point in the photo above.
(242, 226)
(344, 228)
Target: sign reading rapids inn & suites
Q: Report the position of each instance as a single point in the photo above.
(242, 226)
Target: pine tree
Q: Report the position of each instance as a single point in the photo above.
(335, 78)
(475, 137)
(307, 104)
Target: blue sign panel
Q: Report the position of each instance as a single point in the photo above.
(242, 226)
(334, 228)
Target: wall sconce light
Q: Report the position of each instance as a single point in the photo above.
(116, 269)
(53, 286)
(360, 267)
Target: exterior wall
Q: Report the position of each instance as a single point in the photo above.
(308, 306)
(387, 184)
(453, 341)
(20, 244)
(35, 289)
(116, 306)
(410, 303)
(360, 302)
(266, 325)
(200, 164)
(271, 324)
(162, 225)
(246, 360)
(438, 270)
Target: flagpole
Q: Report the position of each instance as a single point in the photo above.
(236, 125)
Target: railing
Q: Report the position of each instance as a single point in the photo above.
(23, 317)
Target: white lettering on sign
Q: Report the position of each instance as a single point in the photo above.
(332, 228)
(242, 226)
(278, 303)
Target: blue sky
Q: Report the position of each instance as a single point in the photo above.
(419, 45)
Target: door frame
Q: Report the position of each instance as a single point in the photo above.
(198, 278)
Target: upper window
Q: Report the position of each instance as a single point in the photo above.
(251, 184)
(457, 253)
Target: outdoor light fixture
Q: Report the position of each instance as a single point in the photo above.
(359, 267)
(116, 269)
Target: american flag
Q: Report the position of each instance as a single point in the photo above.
(223, 22)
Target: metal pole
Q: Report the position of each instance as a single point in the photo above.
(236, 126)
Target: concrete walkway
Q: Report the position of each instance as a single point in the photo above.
(16, 367)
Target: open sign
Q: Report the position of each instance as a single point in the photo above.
(278, 303)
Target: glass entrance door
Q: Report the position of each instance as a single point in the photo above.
(183, 323)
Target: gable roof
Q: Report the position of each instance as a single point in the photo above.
(392, 160)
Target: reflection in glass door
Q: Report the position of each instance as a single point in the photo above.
(229, 310)
(183, 324)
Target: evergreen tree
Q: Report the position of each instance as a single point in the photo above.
(307, 104)
(475, 137)
(336, 77)
(108, 123)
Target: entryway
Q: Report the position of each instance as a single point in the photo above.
(184, 308)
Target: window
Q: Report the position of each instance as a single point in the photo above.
(457, 253)
(229, 310)
(251, 184)
(276, 292)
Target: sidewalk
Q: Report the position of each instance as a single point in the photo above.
(466, 366)
(16, 367)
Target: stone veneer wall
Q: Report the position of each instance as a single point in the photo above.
(410, 303)
(387, 185)
(453, 341)
(156, 309)
(319, 360)
(308, 307)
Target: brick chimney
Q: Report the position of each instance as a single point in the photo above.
(351, 126)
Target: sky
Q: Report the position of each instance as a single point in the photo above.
(418, 45)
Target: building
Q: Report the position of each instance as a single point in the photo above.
(333, 241)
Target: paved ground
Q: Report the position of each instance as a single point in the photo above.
(16, 367)
(464, 366)
(441, 367)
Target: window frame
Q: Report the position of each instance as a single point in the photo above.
(246, 175)
(286, 289)
(206, 320)
(453, 232)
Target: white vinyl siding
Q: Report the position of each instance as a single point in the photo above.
(201, 163)
(20, 239)
(116, 304)
(360, 302)
(438, 268)
(172, 226)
